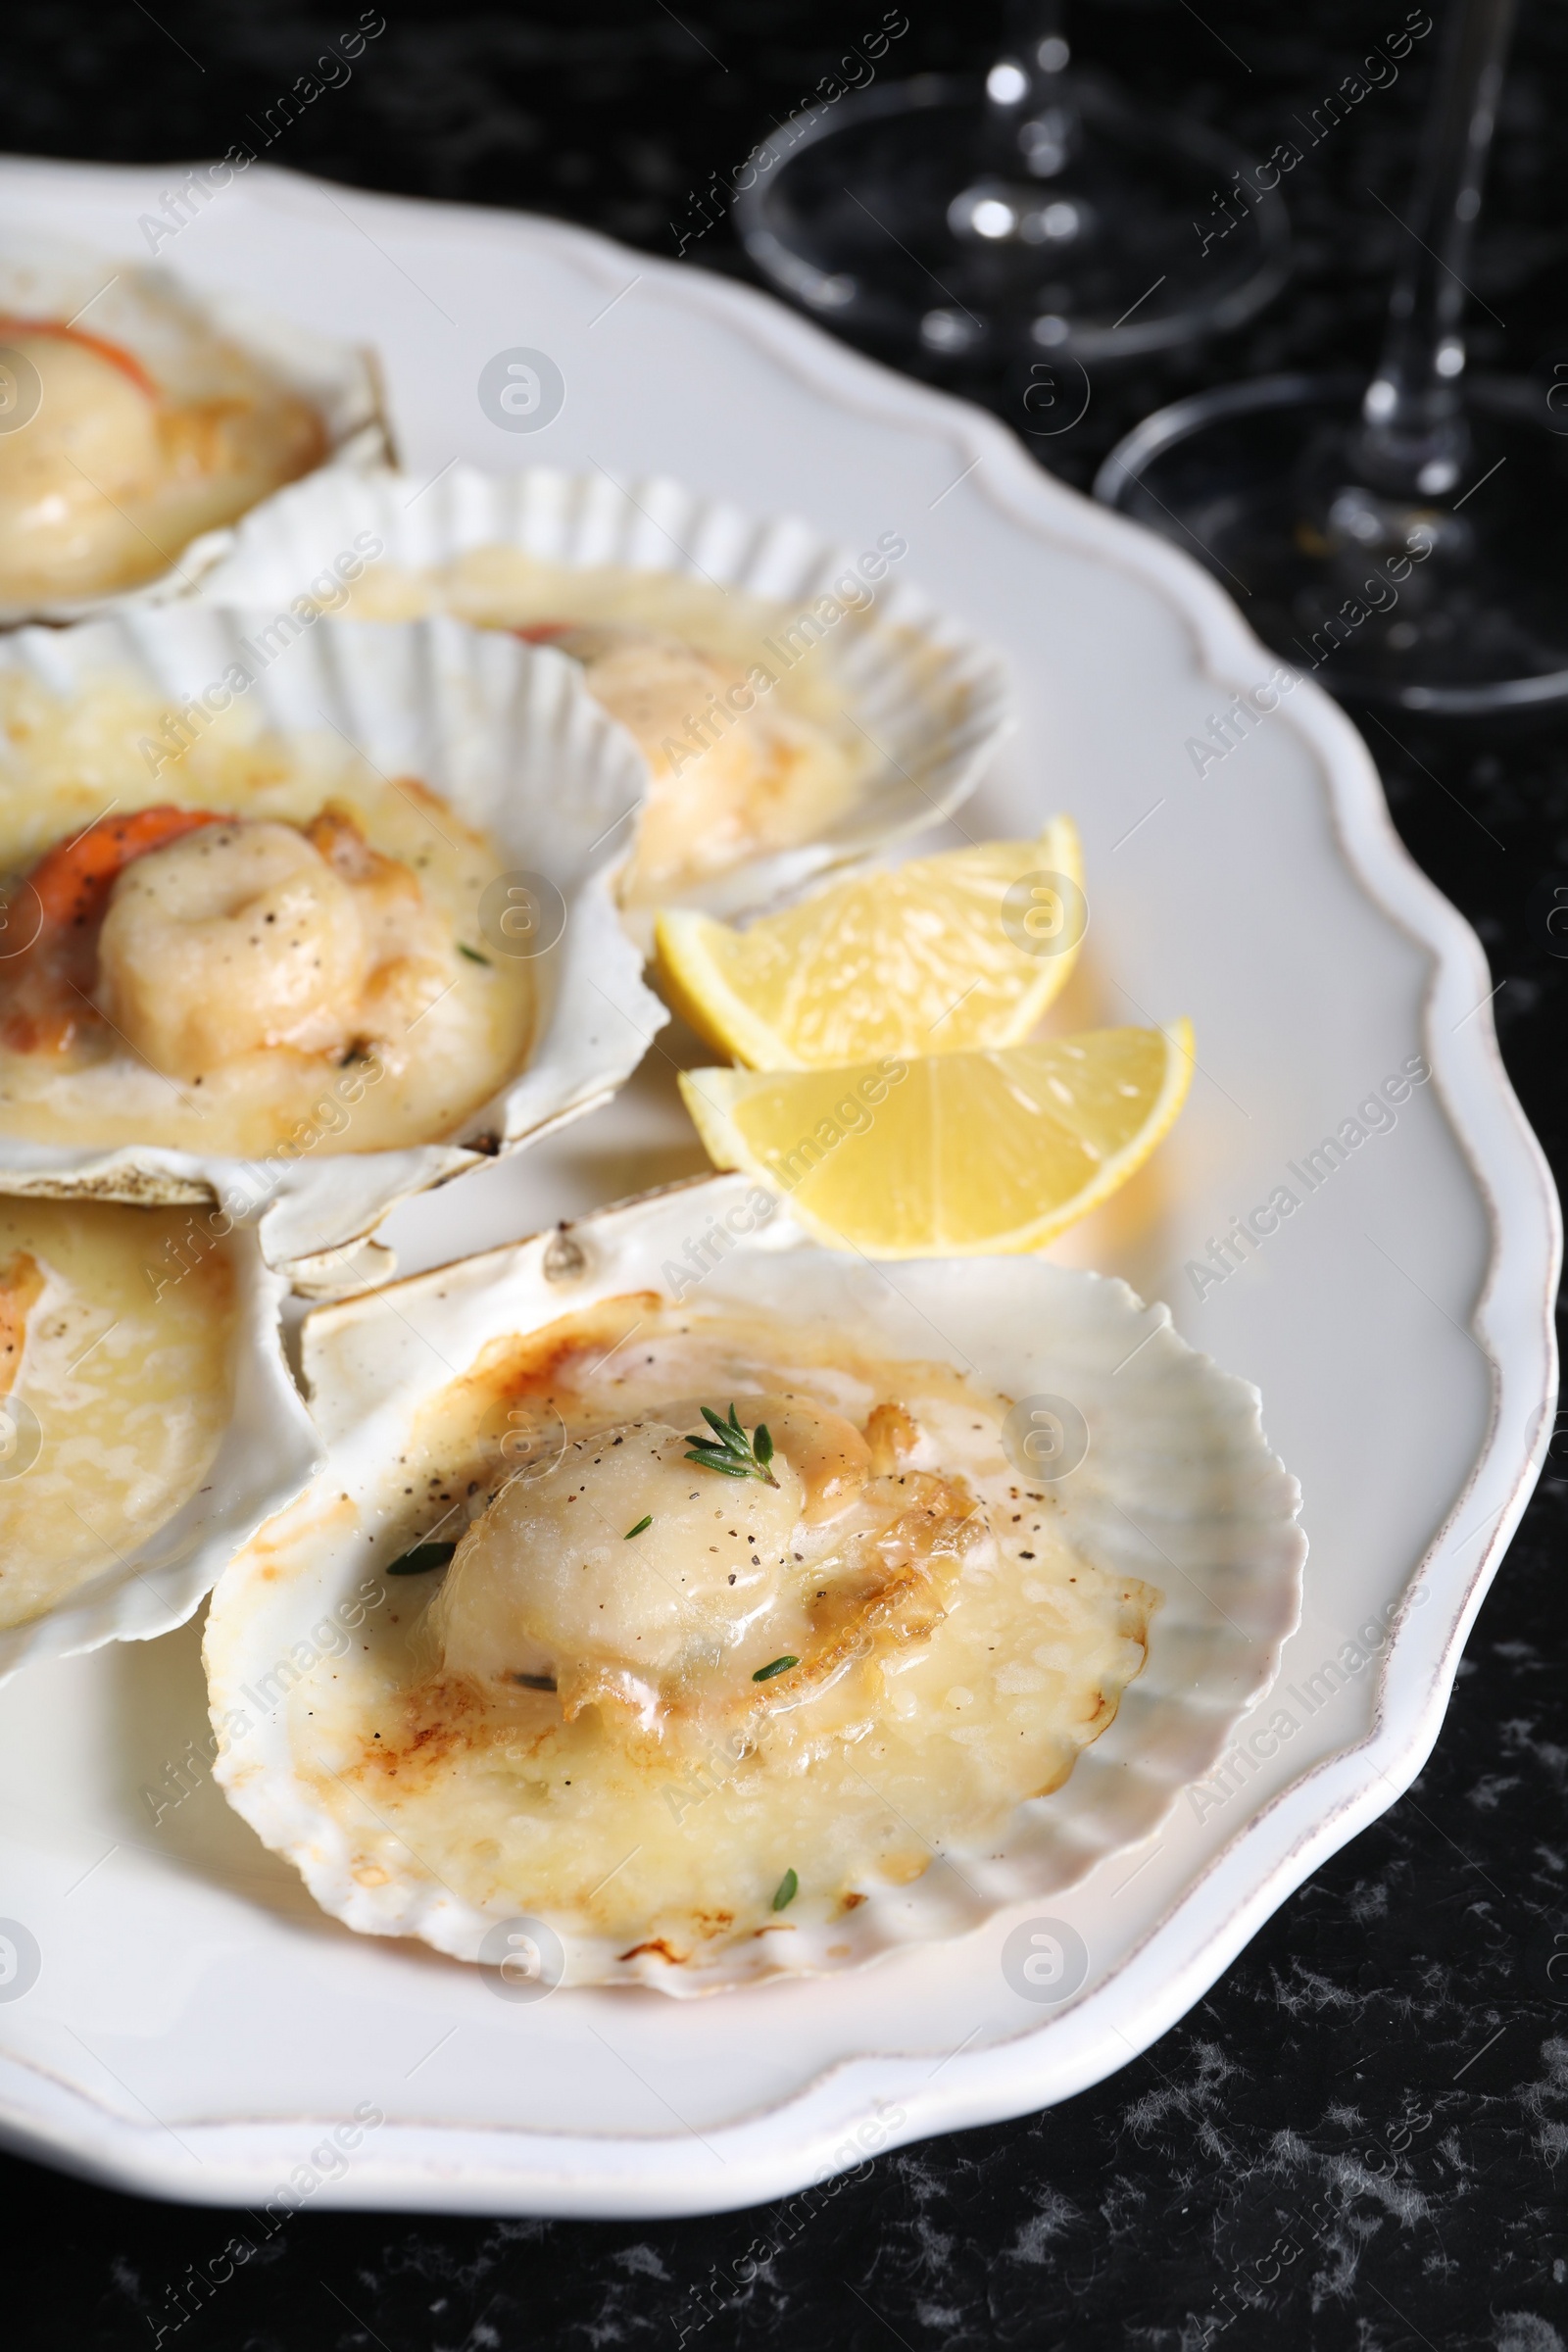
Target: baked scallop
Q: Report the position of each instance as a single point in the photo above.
(139, 414)
(148, 1422)
(729, 1612)
(798, 704)
(302, 920)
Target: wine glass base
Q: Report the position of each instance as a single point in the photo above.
(1141, 244)
(1475, 626)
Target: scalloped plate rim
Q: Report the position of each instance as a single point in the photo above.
(779, 2149)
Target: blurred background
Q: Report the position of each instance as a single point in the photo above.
(1390, 2057)
(631, 118)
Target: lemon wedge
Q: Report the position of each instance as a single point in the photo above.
(954, 1154)
(946, 954)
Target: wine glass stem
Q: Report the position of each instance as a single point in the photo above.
(1413, 438)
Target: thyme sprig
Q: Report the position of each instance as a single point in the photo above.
(731, 1452)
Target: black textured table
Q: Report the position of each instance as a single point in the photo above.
(1360, 2138)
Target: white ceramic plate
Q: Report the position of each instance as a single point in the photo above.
(1397, 1321)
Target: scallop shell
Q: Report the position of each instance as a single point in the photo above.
(162, 321)
(1179, 1488)
(267, 1453)
(510, 736)
(934, 701)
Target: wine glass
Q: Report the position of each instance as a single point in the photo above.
(1401, 538)
(1033, 212)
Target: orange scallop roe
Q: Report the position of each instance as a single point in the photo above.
(45, 991)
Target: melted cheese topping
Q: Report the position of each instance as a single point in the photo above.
(111, 478)
(732, 699)
(116, 1354)
(313, 975)
(638, 1730)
